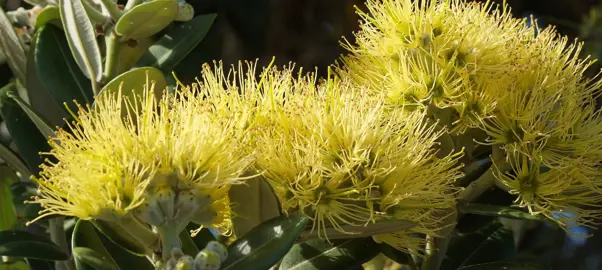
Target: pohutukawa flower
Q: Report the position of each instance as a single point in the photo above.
(348, 162)
(169, 161)
(475, 67)
(435, 52)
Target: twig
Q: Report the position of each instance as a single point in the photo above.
(436, 247)
(113, 46)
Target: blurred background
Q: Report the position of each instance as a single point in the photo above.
(309, 32)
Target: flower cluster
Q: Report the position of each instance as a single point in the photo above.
(348, 162)
(168, 159)
(475, 68)
(345, 160)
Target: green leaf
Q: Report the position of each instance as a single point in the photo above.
(81, 38)
(58, 70)
(319, 254)
(38, 95)
(38, 121)
(498, 211)
(120, 237)
(210, 49)
(87, 258)
(397, 255)
(125, 260)
(188, 246)
(84, 235)
(265, 244)
(203, 237)
(8, 215)
(23, 131)
(12, 47)
(133, 81)
(492, 243)
(40, 264)
(13, 161)
(28, 245)
(254, 203)
(47, 15)
(15, 265)
(147, 19)
(504, 266)
(177, 43)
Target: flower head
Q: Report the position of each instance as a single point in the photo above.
(170, 160)
(348, 162)
(435, 52)
(475, 67)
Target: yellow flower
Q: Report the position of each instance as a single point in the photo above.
(348, 162)
(524, 87)
(559, 194)
(169, 161)
(435, 52)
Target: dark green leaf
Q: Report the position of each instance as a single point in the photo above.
(28, 245)
(504, 266)
(84, 235)
(498, 211)
(39, 264)
(14, 161)
(319, 254)
(177, 43)
(208, 50)
(81, 38)
(86, 258)
(23, 131)
(188, 246)
(12, 47)
(8, 215)
(125, 260)
(396, 255)
(58, 71)
(380, 227)
(202, 238)
(39, 122)
(474, 170)
(147, 19)
(254, 203)
(265, 244)
(492, 243)
(120, 237)
(39, 97)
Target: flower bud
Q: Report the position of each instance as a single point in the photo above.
(218, 248)
(185, 263)
(207, 260)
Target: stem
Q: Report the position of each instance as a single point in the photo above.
(169, 240)
(436, 247)
(112, 55)
(95, 86)
(95, 16)
(478, 187)
(111, 6)
(57, 235)
(141, 233)
(131, 4)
